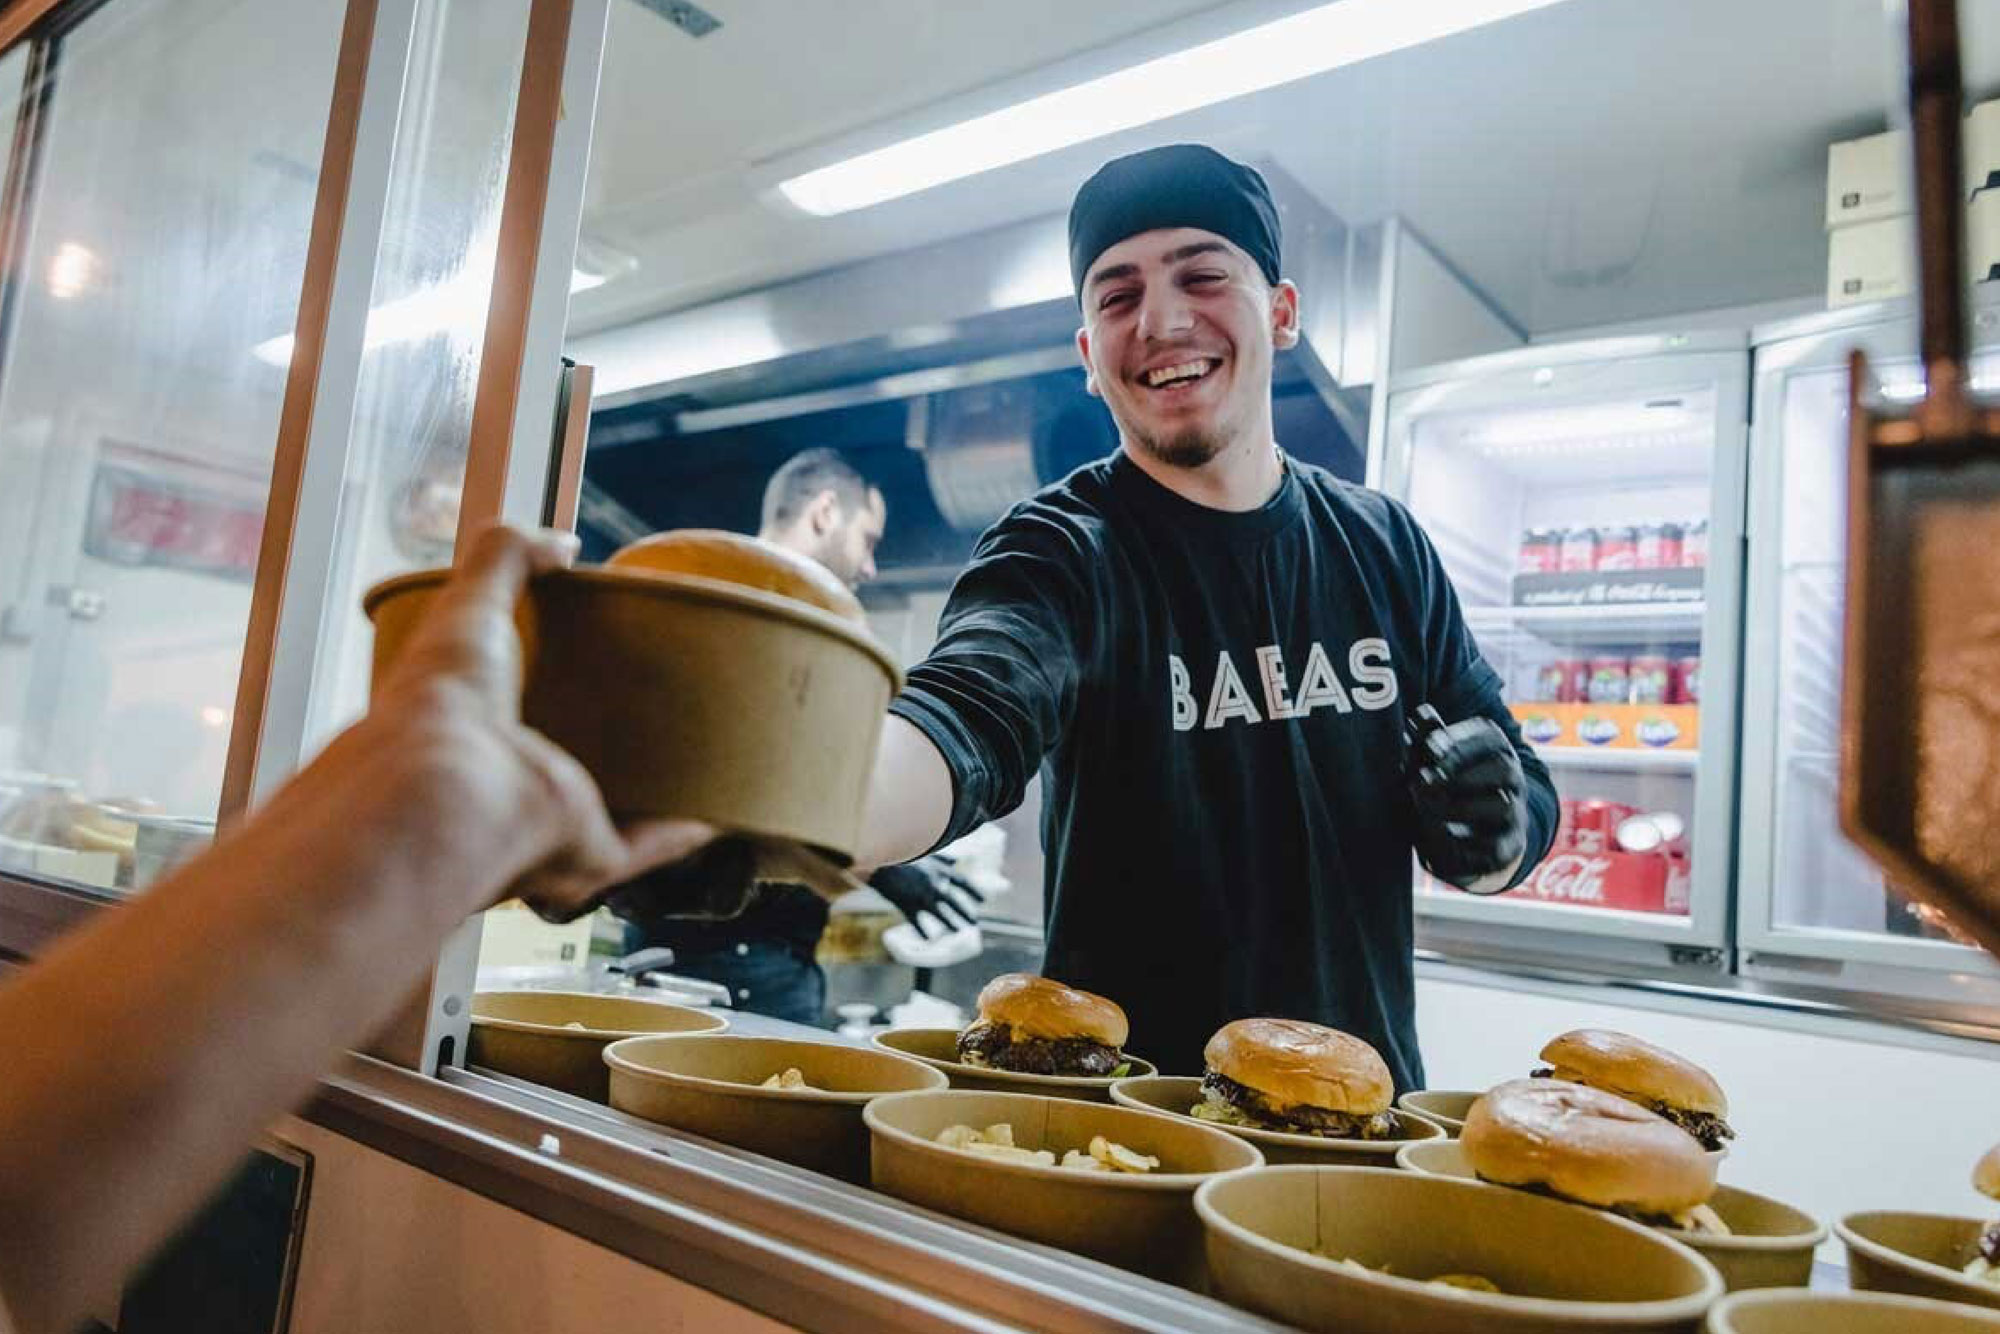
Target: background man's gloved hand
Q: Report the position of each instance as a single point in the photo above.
(1466, 782)
(927, 887)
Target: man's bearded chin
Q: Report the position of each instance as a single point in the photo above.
(1190, 448)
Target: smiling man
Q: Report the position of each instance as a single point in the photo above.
(1212, 650)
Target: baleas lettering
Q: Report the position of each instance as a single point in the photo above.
(1230, 700)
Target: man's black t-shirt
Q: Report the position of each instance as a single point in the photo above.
(1218, 702)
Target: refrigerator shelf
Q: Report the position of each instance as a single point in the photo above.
(1609, 625)
(1620, 761)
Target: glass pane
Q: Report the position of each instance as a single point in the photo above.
(1823, 882)
(406, 464)
(166, 234)
(1575, 526)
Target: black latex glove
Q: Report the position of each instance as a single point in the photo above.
(1466, 783)
(928, 887)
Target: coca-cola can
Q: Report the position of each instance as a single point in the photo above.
(1610, 681)
(1578, 554)
(1650, 678)
(1694, 545)
(1659, 546)
(1618, 547)
(1541, 551)
(1687, 679)
(1597, 821)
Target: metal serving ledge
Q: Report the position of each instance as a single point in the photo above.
(815, 1253)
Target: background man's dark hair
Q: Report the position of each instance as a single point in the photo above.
(804, 476)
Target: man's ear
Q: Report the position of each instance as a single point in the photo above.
(822, 513)
(1285, 315)
(1083, 355)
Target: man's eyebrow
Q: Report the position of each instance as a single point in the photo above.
(1115, 271)
(1198, 248)
(1174, 256)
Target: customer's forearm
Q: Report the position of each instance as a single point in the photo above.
(297, 938)
(909, 797)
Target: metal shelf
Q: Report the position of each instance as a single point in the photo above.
(1620, 761)
(1611, 623)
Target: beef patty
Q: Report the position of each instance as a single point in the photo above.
(1298, 1120)
(996, 1045)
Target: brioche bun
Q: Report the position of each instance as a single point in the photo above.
(710, 553)
(1586, 1145)
(1631, 1068)
(1038, 1008)
(1986, 1176)
(1296, 1064)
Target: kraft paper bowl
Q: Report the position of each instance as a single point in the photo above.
(1175, 1094)
(1917, 1254)
(1447, 1107)
(1795, 1312)
(711, 1086)
(1138, 1221)
(690, 697)
(557, 1038)
(1770, 1243)
(938, 1048)
(1561, 1269)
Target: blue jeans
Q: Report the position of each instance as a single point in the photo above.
(763, 977)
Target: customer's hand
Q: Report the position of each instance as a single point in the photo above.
(927, 888)
(1466, 782)
(455, 690)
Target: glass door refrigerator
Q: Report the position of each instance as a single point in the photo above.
(1587, 501)
(1816, 913)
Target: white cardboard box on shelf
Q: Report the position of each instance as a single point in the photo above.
(1982, 146)
(1870, 261)
(1982, 235)
(1868, 179)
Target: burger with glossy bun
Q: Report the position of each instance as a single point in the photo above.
(1033, 1026)
(750, 562)
(1985, 1262)
(1655, 1078)
(1295, 1077)
(1591, 1147)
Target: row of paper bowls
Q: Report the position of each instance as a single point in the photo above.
(873, 1115)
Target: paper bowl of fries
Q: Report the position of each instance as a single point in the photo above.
(1923, 1255)
(1769, 1245)
(1177, 1095)
(999, 1159)
(557, 1038)
(800, 1102)
(1361, 1248)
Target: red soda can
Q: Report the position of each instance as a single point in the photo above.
(1541, 551)
(1618, 547)
(1595, 821)
(1687, 679)
(1579, 551)
(1610, 681)
(1694, 545)
(1565, 839)
(1659, 546)
(1650, 679)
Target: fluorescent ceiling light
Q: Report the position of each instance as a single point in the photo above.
(459, 303)
(71, 269)
(1280, 52)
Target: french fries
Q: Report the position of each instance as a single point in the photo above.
(788, 1078)
(997, 1141)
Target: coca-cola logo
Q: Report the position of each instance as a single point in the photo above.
(1657, 732)
(1540, 728)
(1571, 878)
(1597, 730)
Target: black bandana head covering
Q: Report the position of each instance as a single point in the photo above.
(1180, 185)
